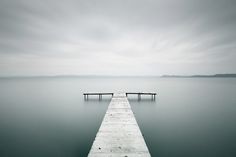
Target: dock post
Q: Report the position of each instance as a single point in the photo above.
(139, 96)
(85, 97)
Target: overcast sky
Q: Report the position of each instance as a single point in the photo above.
(117, 37)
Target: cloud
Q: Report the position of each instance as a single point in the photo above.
(157, 36)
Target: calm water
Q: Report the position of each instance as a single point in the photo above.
(47, 117)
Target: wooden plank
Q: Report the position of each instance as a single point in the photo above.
(119, 134)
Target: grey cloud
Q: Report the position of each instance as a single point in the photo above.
(135, 31)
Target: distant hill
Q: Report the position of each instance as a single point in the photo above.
(215, 75)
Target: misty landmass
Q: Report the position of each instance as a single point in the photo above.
(215, 75)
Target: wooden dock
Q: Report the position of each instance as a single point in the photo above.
(99, 95)
(119, 134)
(153, 95)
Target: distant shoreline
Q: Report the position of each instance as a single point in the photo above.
(205, 76)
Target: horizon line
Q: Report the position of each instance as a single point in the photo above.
(91, 75)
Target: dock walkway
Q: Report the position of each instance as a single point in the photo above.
(119, 134)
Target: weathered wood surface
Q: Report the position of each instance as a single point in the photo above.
(119, 134)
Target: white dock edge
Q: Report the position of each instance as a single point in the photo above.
(119, 134)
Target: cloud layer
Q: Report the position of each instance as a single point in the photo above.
(125, 37)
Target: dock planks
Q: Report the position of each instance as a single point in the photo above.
(119, 134)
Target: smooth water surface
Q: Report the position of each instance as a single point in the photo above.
(47, 117)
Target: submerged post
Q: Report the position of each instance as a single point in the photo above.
(85, 96)
(139, 96)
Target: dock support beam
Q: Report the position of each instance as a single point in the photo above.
(153, 97)
(139, 96)
(85, 97)
(100, 96)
